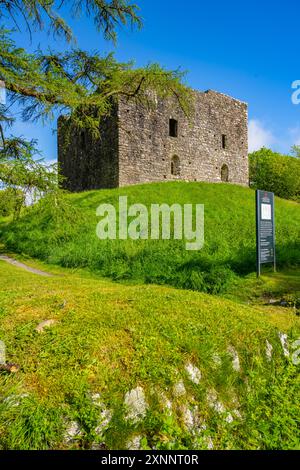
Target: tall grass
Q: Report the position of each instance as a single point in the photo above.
(68, 237)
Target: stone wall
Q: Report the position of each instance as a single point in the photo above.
(146, 149)
(136, 146)
(85, 162)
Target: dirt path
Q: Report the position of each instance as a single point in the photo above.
(18, 264)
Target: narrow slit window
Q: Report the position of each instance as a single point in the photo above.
(173, 128)
(83, 140)
(224, 141)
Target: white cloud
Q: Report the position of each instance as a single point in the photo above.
(259, 135)
(295, 135)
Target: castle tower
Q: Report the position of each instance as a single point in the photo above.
(140, 146)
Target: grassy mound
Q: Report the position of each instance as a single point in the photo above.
(108, 339)
(68, 238)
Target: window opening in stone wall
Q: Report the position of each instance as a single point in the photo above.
(175, 166)
(224, 173)
(224, 141)
(173, 131)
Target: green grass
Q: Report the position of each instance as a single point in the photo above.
(110, 338)
(229, 251)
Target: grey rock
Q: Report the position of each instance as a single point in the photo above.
(235, 358)
(105, 414)
(269, 350)
(209, 443)
(165, 402)
(73, 432)
(98, 446)
(45, 324)
(135, 404)
(104, 420)
(134, 443)
(229, 418)
(188, 418)
(193, 373)
(179, 389)
(213, 402)
(284, 343)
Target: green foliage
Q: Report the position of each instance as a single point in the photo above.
(107, 15)
(24, 176)
(81, 83)
(296, 151)
(34, 425)
(229, 251)
(77, 82)
(272, 421)
(277, 173)
(10, 201)
(212, 279)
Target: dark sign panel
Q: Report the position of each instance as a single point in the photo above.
(265, 229)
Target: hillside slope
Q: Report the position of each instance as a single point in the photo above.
(68, 237)
(151, 367)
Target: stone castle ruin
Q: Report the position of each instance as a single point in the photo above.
(141, 146)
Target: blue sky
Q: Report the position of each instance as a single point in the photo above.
(249, 50)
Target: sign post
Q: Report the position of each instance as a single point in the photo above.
(265, 230)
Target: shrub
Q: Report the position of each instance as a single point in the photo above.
(10, 199)
(277, 173)
(218, 279)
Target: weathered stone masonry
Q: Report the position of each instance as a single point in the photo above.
(140, 146)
